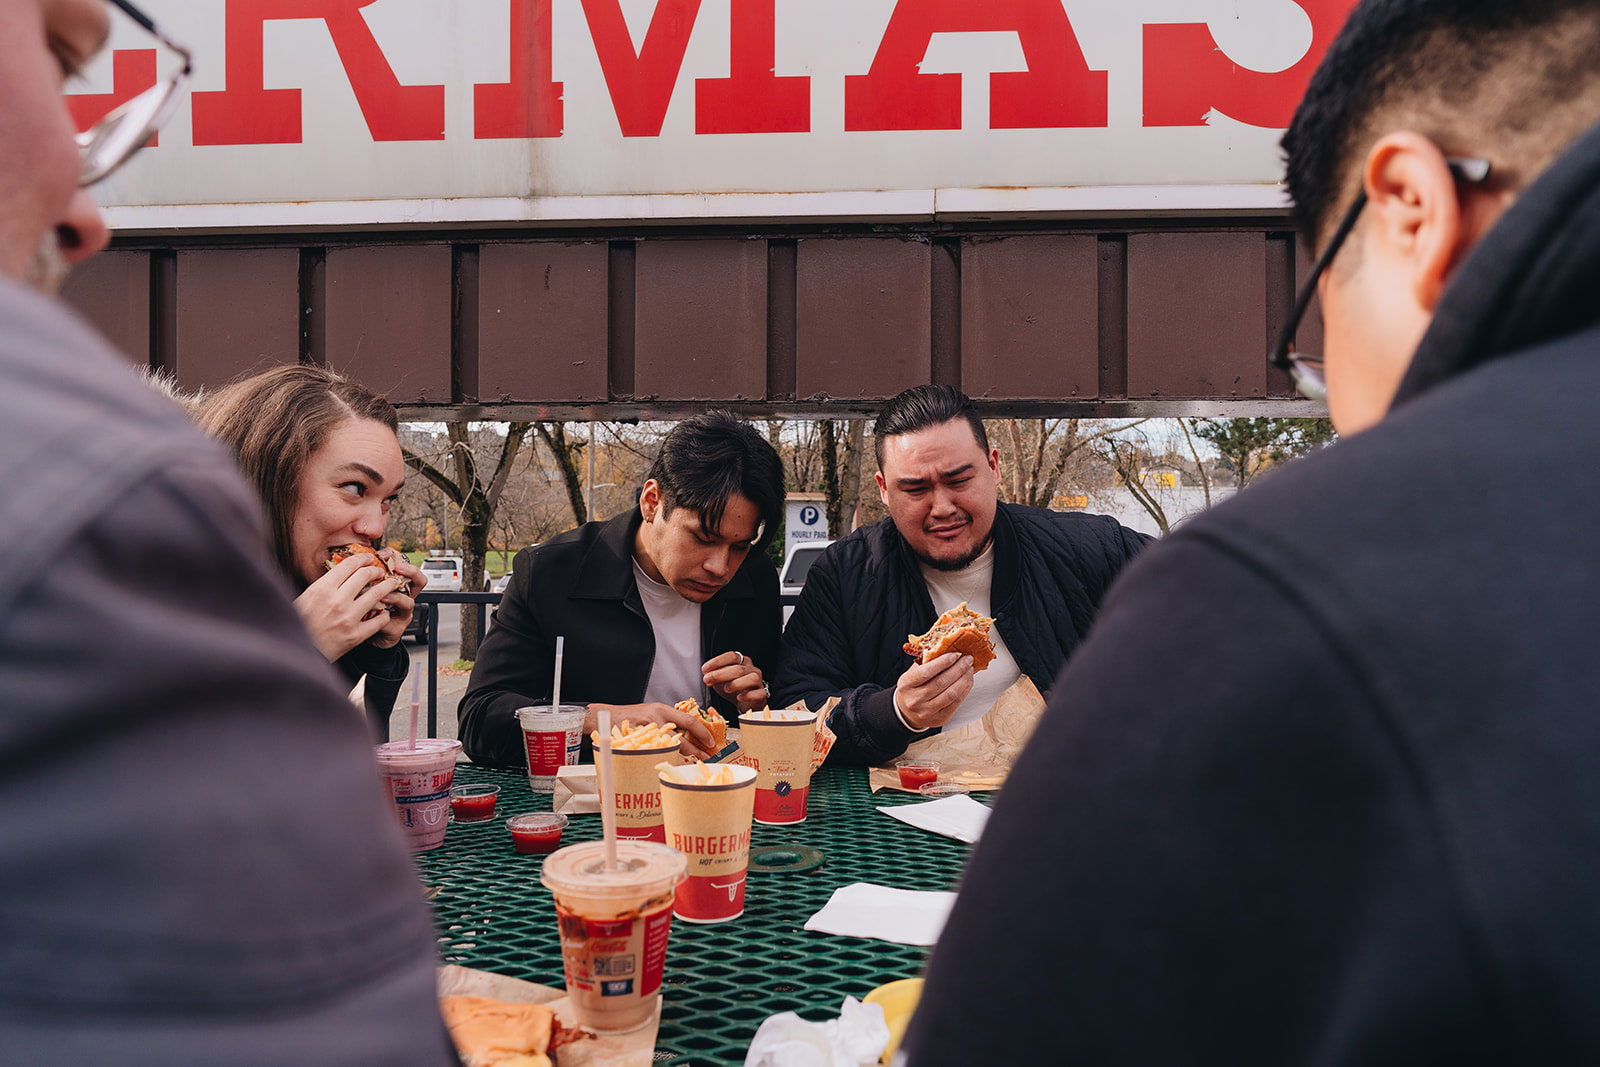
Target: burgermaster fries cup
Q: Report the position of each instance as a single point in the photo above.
(778, 744)
(639, 791)
(707, 811)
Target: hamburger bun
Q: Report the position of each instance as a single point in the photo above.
(958, 630)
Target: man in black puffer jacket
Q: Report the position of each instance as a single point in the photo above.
(1041, 574)
(1352, 817)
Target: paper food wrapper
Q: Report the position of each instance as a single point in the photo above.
(617, 1050)
(979, 754)
(821, 742)
(576, 792)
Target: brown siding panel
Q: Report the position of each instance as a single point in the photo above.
(700, 324)
(112, 291)
(1308, 337)
(1197, 315)
(542, 322)
(389, 319)
(863, 322)
(1029, 318)
(238, 311)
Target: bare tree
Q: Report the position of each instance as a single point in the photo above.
(567, 453)
(1129, 456)
(475, 498)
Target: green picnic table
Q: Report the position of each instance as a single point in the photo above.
(721, 979)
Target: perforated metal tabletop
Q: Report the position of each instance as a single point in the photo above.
(721, 980)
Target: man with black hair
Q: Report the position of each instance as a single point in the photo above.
(948, 539)
(1326, 789)
(672, 599)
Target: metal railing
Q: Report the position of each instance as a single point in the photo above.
(432, 602)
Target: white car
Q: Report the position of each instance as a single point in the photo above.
(444, 573)
(793, 576)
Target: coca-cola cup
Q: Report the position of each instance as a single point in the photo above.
(707, 813)
(552, 738)
(614, 924)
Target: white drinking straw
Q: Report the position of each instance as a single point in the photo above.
(416, 702)
(555, 693)
(608, 796)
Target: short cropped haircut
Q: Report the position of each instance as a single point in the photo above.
(273, 422)
(706, 459)
(923, 406)
(1511, 80)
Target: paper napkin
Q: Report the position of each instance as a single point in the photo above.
(959, 817)
(904, 916)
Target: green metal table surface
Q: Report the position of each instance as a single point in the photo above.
(721, 979)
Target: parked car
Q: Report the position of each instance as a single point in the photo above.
(417, 628)
(498, 585)
(792, 578)
(444, 573)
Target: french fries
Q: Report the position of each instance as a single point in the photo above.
(625, 735)
(700, 773)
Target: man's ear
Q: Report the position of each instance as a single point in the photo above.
(650, 500)
(1415, 212)
(883, 490)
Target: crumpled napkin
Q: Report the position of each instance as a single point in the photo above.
(904, 916)
(959, 816)
(858, 1036)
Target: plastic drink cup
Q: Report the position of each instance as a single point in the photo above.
(552, 737)
(614, 926)
(638, 790)
(778, 744)
(709, 822)
(418, 780)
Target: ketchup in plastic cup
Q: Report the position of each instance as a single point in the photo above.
(916, 773)
(614, 925)
(473, 803)
(536, 833)
(552, 738)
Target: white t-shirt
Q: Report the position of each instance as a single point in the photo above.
(675, 675)
(973, 584)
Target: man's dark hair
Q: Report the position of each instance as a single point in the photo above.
(923, 406)
(1510, 80)
(707, 459)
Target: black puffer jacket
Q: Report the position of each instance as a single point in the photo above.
(866, 594)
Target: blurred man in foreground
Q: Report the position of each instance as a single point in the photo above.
(947, 540)
(199, 867)
(1326, 790)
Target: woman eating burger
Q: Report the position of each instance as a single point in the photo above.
(323, 454)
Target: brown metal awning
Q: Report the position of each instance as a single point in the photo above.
(1168, 317)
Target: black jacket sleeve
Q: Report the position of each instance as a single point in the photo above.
(515, 667)
(1197, 828)
(386, 670)
(817, 664)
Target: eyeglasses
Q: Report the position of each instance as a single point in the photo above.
(1305, 368)
(108, 144)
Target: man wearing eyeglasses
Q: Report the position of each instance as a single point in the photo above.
(198, 867)
(1353, 816)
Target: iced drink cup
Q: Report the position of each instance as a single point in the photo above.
(614, 926)
(707, 815)
(418, 780)
(639, 790)
(778, 744)
(552, 737)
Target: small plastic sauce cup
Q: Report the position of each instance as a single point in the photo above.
(916, 773)
(473, 802)
(536, 833)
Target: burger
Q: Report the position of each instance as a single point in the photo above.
(344, 552)
(958, 630)
(714, 722)
(499, 1033)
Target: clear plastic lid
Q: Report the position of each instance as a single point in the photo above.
(428, 750)
(644, 868)
(545, 715)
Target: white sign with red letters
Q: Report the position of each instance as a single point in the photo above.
(405, 112)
